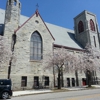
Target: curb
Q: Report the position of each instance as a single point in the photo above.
(44, 92)
(51, 91)
(30, 93)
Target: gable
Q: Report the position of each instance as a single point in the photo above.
(36, 19)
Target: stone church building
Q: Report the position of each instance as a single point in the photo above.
(32, 37)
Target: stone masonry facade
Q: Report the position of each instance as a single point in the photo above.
(23, 67)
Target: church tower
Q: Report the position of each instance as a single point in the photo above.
(86, 29)
(12, 17)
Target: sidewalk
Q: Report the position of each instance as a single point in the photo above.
(27, 92)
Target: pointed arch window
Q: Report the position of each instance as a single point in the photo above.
(92, 26)
(15, 2)
(9, 2)
(36, 46)
(19, 5)
(80, 27)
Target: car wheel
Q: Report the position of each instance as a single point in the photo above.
(5, 95)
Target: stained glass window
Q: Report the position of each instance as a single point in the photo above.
(36, 46)
(92, 27)
(80, 27)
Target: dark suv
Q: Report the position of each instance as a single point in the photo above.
(5, 88)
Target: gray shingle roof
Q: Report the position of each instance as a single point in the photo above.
(2, 17)
(63, 36)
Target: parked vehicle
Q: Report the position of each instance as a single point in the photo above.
(5, 88)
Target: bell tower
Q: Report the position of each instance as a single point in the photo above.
(12, 17)
(86, 29)
(12, 13)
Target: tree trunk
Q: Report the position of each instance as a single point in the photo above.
(76, 74)
(89, 83)
(59, 84)
(89, 78)
(54, 76)
(62, 80)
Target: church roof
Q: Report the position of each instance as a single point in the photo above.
(63, 36)
(2, 16)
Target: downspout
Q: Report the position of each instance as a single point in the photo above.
(53, 66)
(12, 49)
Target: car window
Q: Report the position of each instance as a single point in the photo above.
(5, 82)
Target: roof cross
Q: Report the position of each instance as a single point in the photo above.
(37, 6)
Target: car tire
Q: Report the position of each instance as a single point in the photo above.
(5, 95)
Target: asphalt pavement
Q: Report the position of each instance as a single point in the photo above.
(27, 92)
(86, 94)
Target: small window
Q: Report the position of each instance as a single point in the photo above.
(80, 27)
(37, 21)
(68, 82)
(46, 81)
(94, 41)
(19, 5)
(36, 81)
(15, 2)
(24, 81)
(73, 82)
(92, 26)
(9, 2)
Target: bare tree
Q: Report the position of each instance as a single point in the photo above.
(59, 59)
(5, 52)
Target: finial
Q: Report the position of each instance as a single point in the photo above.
(37, 6)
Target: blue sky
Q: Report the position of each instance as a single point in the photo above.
(58, 12)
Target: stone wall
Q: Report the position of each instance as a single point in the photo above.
(87, 36)
(23, 65)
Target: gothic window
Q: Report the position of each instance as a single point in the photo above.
(19, 5)
(15, 2)
(9, 2)
(36, 46)
(92, 27)
(80, 27)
